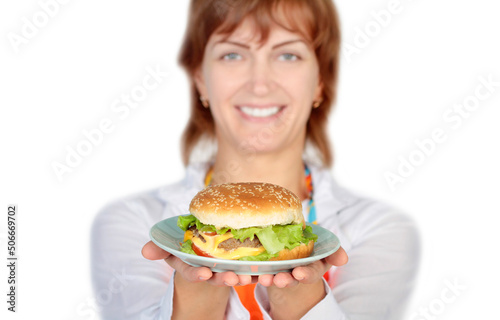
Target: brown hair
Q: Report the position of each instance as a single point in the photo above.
(318, 18)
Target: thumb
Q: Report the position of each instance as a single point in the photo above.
(152, 252)
(338, 258)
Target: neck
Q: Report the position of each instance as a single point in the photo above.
(285, 169)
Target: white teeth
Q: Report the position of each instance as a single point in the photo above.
(260, 112)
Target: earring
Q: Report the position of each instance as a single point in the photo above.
(204, 102)
(316, 104)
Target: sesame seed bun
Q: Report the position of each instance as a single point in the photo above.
(249, 204)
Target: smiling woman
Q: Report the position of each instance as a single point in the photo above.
(310, 31)
(263, 80)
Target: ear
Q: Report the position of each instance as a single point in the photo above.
(318, 92)
(199, 82)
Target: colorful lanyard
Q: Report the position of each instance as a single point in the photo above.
(311, 215)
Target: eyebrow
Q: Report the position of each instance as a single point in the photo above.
(248, 47)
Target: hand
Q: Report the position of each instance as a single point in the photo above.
(306, 274)
(195, 274)
(292, 295)
(195, 286)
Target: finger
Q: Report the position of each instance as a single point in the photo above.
(339, 258)
(266, 279)
(227, 278)
(152, 252)
(189, 273)
(243, 279)
(310, 273)
(284, 279)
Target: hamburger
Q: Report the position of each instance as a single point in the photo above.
(246, 221)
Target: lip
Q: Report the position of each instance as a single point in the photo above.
(260, 106)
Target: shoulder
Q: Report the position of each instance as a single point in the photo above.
(148, 207)
(139, 209)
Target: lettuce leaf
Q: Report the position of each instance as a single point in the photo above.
(308, 235)
(269, 240)
(264, 256)
(186, 247)
(242, 234)
(184, 222)
(209, 228)
(290, 235)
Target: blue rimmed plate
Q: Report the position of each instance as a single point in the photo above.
(168, 236)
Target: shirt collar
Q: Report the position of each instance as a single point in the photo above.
(328, 194)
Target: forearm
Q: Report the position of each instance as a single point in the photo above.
(295, 302)
(198, 300)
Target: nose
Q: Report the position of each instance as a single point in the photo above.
(261, 79)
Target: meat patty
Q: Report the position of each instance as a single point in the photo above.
(231, 244)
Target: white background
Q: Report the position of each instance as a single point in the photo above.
(395, 89)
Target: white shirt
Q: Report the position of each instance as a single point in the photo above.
(382, 244)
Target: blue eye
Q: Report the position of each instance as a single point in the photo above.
(232, 56)
(289, 57)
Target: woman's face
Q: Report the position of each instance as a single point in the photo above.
(260, 97)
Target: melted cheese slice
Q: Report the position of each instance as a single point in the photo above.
(212, 243)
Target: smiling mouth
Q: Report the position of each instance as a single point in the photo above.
(260, 112)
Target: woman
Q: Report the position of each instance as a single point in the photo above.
(263, 77)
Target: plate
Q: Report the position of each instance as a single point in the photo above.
(168, 236)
